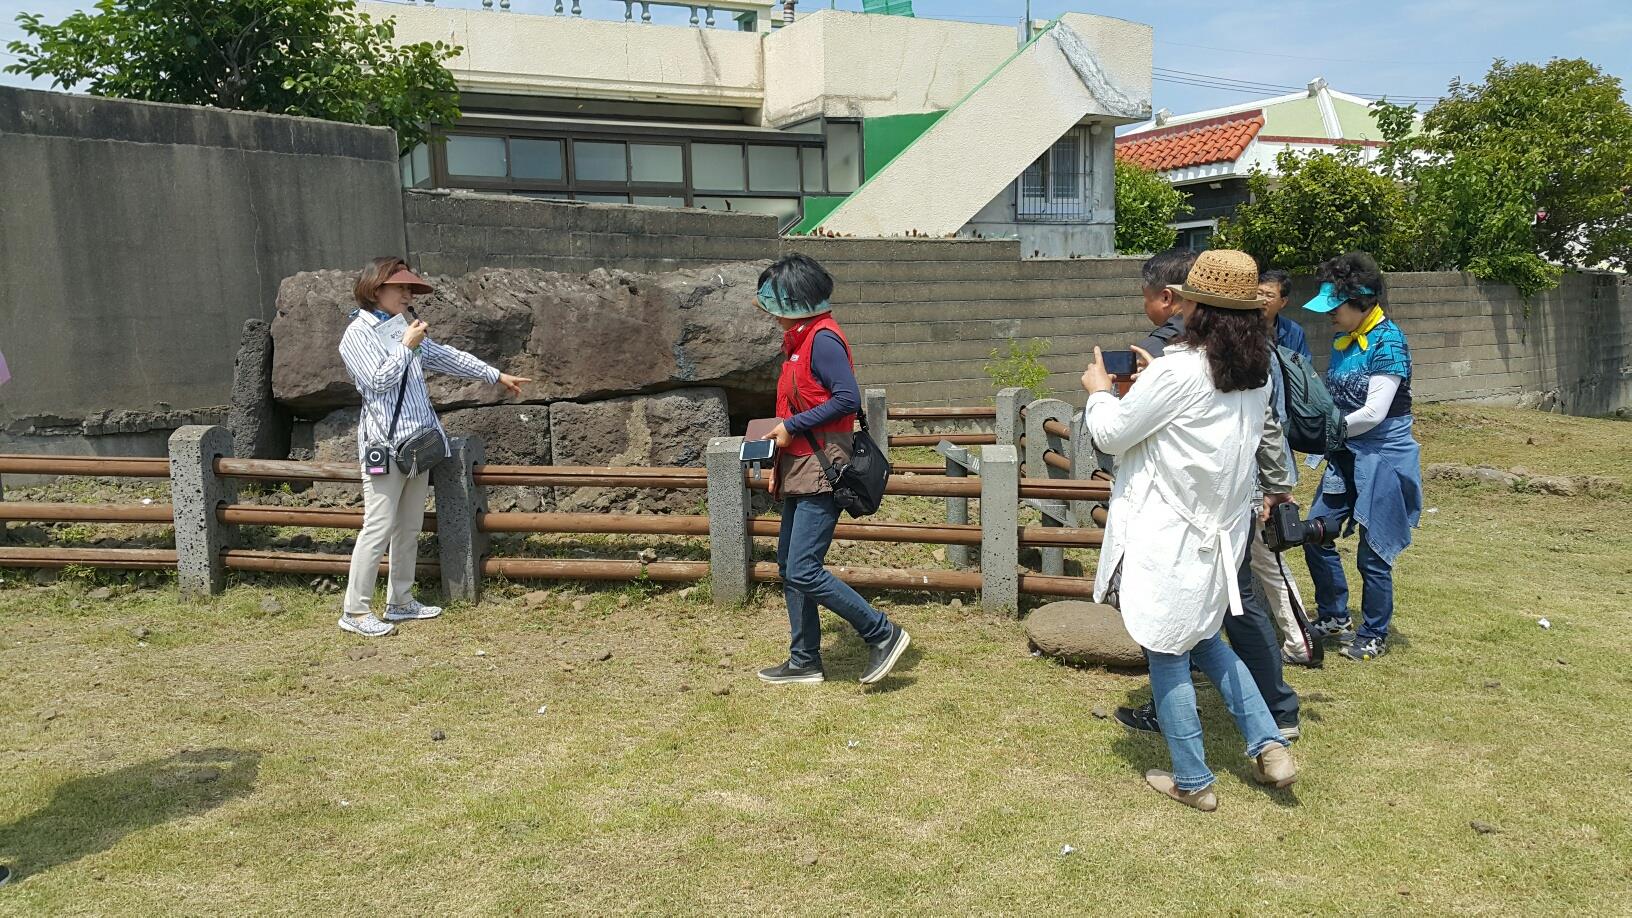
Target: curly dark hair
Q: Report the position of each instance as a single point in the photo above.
(1236, 342)
(1348, 273)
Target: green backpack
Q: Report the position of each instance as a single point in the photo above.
(1313, 422)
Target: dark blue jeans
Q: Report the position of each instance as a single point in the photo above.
(801, 553)
(1326, 570)
(1332, 587)
(1252, 637)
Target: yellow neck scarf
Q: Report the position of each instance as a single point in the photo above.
(1372, 320)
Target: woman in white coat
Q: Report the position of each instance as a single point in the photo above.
(1186, 438)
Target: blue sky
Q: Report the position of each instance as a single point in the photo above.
(1399, 47)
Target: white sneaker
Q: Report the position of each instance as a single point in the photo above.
(366, 625)
(414, 609)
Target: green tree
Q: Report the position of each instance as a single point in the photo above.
(1145, 206)
(1320, 204)
(1517, 176)
(319, 58)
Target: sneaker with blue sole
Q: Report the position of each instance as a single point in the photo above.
(1364, 649)
(1340, 628)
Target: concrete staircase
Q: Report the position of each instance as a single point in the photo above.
(1079, 68)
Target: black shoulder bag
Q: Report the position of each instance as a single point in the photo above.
(419, 453)
(858, 484)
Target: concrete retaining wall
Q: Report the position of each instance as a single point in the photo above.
(925, 315)
(136, 238)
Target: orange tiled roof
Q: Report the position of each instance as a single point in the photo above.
(1216, 140)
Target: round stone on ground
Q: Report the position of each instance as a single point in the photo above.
(1083, 634)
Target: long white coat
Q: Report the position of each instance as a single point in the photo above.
(1180, 510)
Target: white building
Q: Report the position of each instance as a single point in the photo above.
(841, 123)
(1210, 154)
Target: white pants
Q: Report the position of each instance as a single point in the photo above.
(1278, 591)
(393, 513)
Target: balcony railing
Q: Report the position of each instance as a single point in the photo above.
(747, 15)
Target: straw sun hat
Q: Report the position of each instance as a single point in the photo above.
(1224, 278)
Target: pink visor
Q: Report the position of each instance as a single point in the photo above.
(410, 280)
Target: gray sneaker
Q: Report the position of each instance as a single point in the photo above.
(366, 625)
(1340, 628)
(413, 610)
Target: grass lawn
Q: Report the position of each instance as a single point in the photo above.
(245, 756)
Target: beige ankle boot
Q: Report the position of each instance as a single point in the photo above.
(1204, 799)
(1274, 766)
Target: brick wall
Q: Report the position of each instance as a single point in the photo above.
(925, 315)
(454, 233)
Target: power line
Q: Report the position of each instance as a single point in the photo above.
(1336, 60)
(1213, 81)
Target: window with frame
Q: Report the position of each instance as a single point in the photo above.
(658, 170)
(1055, 185)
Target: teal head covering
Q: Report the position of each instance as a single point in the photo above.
(1328, 299)
(772, 301)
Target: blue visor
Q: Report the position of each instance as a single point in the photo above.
(1327, 299)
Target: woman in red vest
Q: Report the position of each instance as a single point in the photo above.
(818, 399)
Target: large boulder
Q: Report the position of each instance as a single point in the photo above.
(670, 429)
(510, 435)
(1083, 634)
(579, 337)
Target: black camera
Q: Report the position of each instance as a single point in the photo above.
(1287, 529)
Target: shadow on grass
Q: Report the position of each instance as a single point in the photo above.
(93, 813)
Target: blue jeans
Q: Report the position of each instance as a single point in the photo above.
(1332, 587)
(801, 552)
(1175, 698)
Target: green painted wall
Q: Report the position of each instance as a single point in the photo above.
(885, 138)
(817, 207)
(1298, 118)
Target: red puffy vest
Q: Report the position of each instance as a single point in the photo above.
(796, 376)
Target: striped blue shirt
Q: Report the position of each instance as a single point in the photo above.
(376, 370)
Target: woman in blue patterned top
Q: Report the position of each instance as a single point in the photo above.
(1376, 485)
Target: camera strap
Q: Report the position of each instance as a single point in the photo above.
(1312, 648)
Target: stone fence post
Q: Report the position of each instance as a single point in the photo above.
(195, 494)
(1000, 529)
(1039, 443)
(957, 508)
(875, 407)
(461, 545)
(1011, 424)
(730, 540)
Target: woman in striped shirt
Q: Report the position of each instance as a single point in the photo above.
(394, 503)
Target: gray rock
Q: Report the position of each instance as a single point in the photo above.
(1562, 487)
(271, 606)
(100, 594)
(334, 436)
(603, 334)
(1083, 634)
(671, 429)
(511, 434)
(260, 426)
